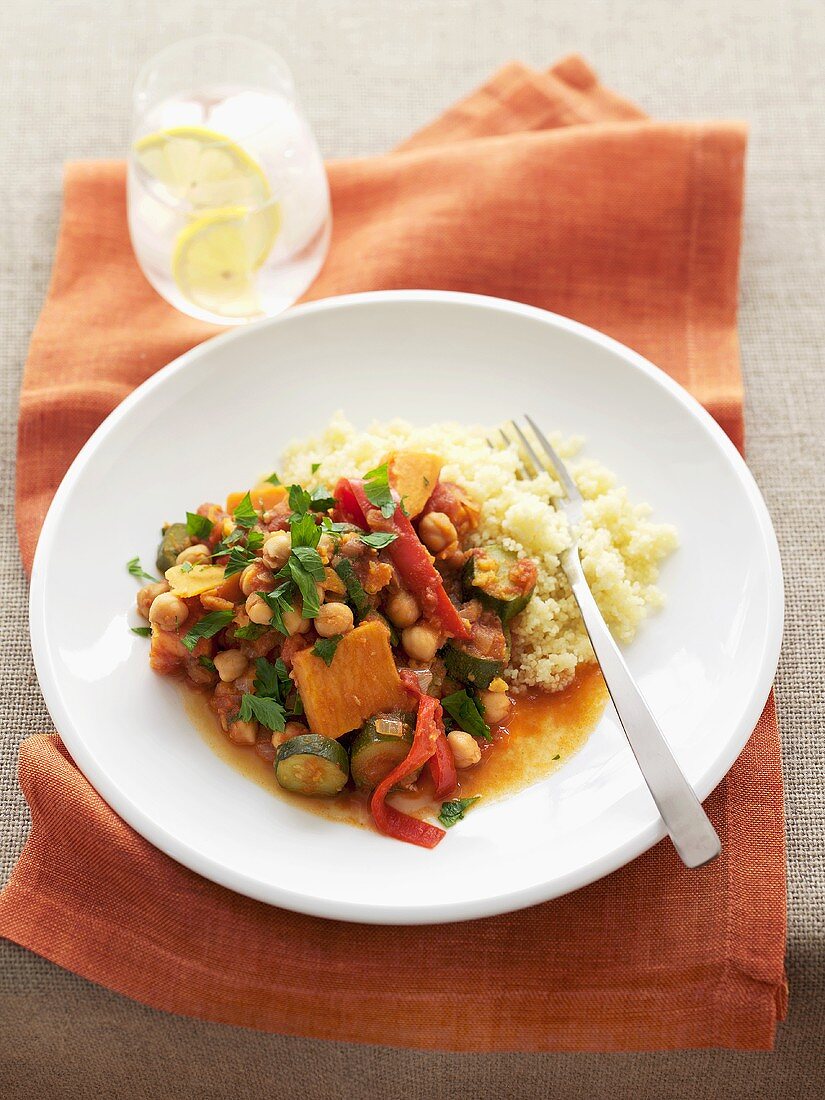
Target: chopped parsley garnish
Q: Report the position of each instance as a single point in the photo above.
(268, 712)
(273, 479)
(378, 539)
(321, 499)
(200, 527)
(304, 530)
(232, 539)
(245, 514)
(186, 567)
(305, 567)
(239, 558)
(467, 714)
(315, 467)
(254, 540)
(136, 569)
(455, 809)
(207, 663)
(142, 631)
(278, 602)
(557, 756)
(251, 631)
(299, 499)
(207, 627)
(325, 648)
(377, 488)
(268, 704)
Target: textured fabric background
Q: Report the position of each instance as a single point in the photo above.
(370, 71)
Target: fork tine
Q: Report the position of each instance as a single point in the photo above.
(528, 447)
(555, 461)
(508, 442)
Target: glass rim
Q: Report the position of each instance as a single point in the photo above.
(143, 77)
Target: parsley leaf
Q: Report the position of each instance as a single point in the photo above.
(251, 631)
(455, 809)
(254, 540)
(267, 704)
(142, 631)
(232, 539)
(273, 479)
(207, 627)
(239, 558)
(325, 648)
(299, 499)
(306, 567)
(278, 602)
(378, 539)
(207, 663)
(377, 488)
(466, 712)
(245, 514)
(321, 499)
(267, 679)
(315, 467)
(136, 569)
(198, 526)
(268, 712)
(186, 567)
(304, 530)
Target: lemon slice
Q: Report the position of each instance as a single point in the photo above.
(217, 255)
(203, 167)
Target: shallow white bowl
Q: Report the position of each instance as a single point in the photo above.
(214, 419)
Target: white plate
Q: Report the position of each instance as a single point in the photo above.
(217, 417)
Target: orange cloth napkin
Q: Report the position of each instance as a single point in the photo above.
(543, 187)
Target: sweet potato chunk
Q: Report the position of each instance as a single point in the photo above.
(361, 680)
(413, 475)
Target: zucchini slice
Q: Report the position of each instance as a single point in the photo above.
(500, 580)
(312, 765)
(381, 745)
(480, 660)
(175, 538)
(464, 665)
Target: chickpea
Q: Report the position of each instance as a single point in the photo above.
(420, 642)
(199, 554)
(256, 578)
(326, 547)
(295, 623)
(276, 549)
(402, 610)
(332, 619)
(167, 611)
(465, 749)
(437, 531)
(147, 594)
(230, 664)
(496, 706)
(243, 733)
(258, 610)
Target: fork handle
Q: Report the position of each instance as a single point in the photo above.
(687, 823)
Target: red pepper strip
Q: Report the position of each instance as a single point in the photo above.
(441, 764)
(442, 767)
(409, 557)
(393, 822)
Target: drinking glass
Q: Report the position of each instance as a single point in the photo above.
(228, 200)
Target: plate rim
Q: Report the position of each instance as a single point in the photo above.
(428, 913)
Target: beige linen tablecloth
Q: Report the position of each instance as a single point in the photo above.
(371, 72)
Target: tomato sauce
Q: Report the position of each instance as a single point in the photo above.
(543, 731)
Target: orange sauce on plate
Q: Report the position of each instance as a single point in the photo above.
(543, 731)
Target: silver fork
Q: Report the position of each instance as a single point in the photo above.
(687, 823)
